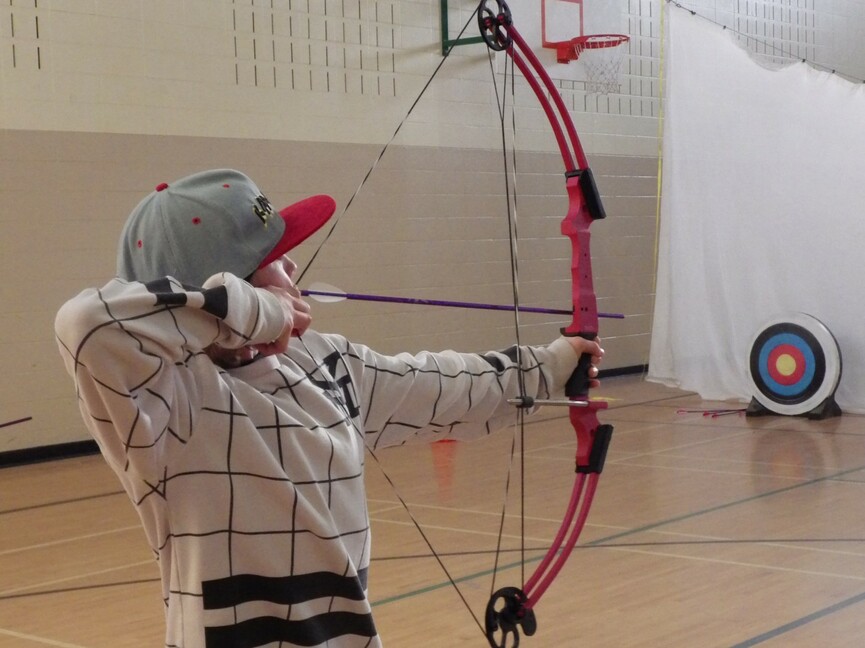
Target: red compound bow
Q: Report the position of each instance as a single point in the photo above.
(512, 608)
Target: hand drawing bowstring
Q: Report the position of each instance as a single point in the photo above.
(510, 193)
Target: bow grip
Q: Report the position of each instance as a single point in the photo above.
(577, 386)
(593, 440)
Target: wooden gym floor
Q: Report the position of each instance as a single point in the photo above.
(706, 531)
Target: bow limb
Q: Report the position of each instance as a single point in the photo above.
(511, 609)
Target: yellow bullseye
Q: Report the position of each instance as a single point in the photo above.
(785, 365)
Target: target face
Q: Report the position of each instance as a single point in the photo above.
(794, 364)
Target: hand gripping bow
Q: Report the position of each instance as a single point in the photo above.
(511, 607)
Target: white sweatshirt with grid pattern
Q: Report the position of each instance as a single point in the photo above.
(249, 482)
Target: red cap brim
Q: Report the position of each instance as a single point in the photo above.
(302, 220)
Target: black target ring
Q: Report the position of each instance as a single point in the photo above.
(794, 364)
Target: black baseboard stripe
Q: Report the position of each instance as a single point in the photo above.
(47, 453)
(623, 371)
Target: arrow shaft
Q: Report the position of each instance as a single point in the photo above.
(445, 303)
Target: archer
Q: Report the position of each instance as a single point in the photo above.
(239, 432)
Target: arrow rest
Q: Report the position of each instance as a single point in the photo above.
(506, 612)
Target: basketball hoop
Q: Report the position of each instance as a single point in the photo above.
(601, 56)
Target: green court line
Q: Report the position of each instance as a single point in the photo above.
(721, 507)
(798, 623)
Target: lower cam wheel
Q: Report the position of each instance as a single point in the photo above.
(505, 615)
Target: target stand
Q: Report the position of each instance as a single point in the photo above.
(794, 368)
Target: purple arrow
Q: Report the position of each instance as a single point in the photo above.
(335, 295)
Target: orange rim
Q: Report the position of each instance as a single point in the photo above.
(599, 41)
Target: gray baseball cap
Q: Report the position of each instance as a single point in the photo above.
(210, 222)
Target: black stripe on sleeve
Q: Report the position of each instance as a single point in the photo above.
(216, 301)
(496, 363)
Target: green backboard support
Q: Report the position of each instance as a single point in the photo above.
(449, 43)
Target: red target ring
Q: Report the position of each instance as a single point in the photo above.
(786, 364)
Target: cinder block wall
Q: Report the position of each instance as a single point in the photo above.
(99, 102)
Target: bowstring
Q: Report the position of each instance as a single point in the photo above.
(381, 153)
(315, 254)
(510, 191)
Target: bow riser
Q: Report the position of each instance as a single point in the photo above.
(575, 226)
(584, 208)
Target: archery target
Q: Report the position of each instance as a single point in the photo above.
(794, 364)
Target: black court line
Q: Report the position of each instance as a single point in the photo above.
(721, 507)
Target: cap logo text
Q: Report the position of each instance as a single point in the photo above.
(263, 209)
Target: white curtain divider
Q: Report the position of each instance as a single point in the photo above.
(762, 212)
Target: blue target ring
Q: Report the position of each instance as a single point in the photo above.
(801, 344)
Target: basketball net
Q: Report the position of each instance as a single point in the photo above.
(602, 56)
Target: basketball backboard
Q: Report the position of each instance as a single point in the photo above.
(550, 26)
